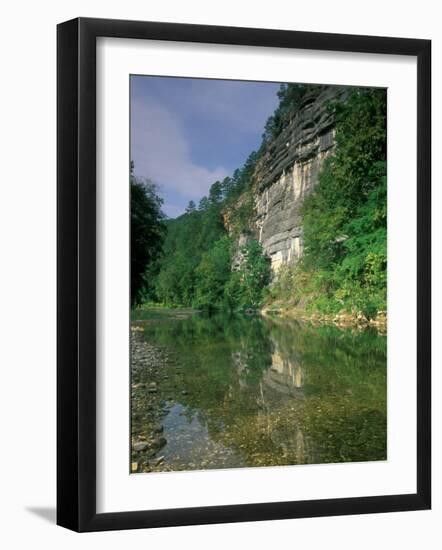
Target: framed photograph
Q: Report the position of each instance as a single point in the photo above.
(243, 274)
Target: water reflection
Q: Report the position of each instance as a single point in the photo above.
(238, 392)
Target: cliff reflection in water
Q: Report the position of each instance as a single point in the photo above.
(240, 392)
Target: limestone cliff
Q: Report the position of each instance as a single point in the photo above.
(288, 170)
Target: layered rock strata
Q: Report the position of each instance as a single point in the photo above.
(288, 170)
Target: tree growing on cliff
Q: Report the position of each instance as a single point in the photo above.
(147, 231)
(290, 98)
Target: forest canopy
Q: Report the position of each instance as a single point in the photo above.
(195, 268)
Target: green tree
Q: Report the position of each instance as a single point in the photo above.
(189, 237)
(203, 204)
(246, 286)
(147, 234)
(345, 217)
(212, 274)
(191, 207)
(216, 193)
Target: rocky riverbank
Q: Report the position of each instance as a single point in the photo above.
(148, 407)
(342, 319)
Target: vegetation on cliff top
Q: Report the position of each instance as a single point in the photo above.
(290, 100)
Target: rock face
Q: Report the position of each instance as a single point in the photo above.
(288, 170)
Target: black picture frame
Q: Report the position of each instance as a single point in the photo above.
(76, 273)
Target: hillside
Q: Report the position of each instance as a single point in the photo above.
(301, 226)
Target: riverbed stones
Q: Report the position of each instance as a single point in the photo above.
(159, 442)
(148, 405)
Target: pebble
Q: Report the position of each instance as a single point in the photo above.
(160, 442)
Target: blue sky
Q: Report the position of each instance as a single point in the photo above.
(186, 133)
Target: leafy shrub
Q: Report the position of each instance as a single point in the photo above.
(246, 286)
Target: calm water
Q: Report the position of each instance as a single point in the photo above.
(240, 392)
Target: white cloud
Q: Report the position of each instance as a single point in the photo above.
(160, 151)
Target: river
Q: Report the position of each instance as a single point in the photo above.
(241, 391)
